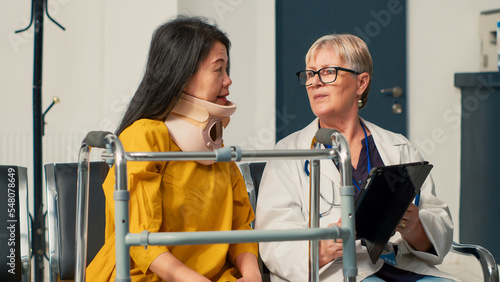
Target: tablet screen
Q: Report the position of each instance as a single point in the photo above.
(383, 200)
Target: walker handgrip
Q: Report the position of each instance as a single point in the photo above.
(324, 135)
(97, 139)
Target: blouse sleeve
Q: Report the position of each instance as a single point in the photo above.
(243, 214)
(144, 181)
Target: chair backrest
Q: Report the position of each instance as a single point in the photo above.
(61, 181)
(15, 235)
(256, 170)
(252, 173)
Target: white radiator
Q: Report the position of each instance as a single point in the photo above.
(17, 148)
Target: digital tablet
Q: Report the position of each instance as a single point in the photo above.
(384, 199)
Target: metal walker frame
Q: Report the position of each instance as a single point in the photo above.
(115, 154)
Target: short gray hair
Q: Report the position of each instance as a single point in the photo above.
(352, 50)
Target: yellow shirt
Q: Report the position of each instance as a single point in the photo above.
(175, 196)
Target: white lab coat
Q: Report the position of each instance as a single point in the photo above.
(283, 203)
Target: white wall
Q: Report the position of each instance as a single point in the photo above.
(16, 55)
(95, 66)
(443, 39)
(250, 26)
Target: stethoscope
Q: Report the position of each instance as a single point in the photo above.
(306, 170)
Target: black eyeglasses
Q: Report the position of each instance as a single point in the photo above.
(326, 75)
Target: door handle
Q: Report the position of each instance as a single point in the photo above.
(397, 108)
(396, 91)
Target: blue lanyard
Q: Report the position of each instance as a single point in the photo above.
(367, 156)
(306, 164)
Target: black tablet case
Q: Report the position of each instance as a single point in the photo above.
(383, 200)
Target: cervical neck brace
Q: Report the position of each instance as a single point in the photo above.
(197, 125)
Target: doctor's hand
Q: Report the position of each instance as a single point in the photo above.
(330, 249)
(412, 230)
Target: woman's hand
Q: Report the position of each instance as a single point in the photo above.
(247, 264)
(169, 268)
(330, 249)
(412, 230)
(250, 278)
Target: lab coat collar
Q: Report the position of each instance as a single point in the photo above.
(388, 145)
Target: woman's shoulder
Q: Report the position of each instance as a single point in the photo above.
(386, 135)
(300, 139)
(147, 125)
(145, 133)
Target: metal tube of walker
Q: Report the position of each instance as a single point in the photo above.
(314, 220)
(82, 207)
(347, 193)
(337, 140)
(121, 196)
(229, 237)
(235, 155)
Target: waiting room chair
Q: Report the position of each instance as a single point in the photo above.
(61, 190)
(488, 264)
(15, 227)
(252, 173)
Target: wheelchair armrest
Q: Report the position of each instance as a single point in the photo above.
(486, 259)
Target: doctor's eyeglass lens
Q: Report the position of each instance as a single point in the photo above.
(326, 75)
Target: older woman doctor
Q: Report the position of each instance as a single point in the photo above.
(337, 79)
